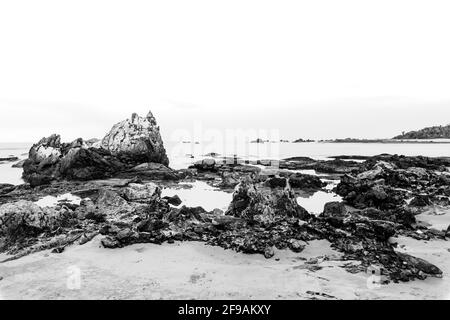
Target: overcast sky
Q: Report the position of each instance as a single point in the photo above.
(312, 69)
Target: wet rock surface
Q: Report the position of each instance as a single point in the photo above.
(381, 198)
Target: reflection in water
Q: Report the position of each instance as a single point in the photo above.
(315, 203)
(51, 201)
(201, 194)
(11, 175)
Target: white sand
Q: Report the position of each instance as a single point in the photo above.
(192, 270)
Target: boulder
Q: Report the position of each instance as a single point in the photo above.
(25, 218)
(141, 192)
(175, 200)
(6, 188)
(137, 138)
(110, 203)
(296, 245)
(269, 253)
(334, 209)
(420, 264)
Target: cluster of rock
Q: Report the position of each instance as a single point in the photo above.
(119, 180)
(130, 143)
(259, 219)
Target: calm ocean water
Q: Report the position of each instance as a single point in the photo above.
(7, 173)
(183, 154)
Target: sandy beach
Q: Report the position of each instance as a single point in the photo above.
(191, 270)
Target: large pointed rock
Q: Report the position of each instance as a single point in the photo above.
(138, 138)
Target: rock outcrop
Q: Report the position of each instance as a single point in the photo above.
(254, 202)
(49, 160)
(138, 138)
(124, 150)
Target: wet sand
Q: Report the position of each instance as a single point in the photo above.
(192, 270)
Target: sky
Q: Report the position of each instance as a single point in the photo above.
(309, 69)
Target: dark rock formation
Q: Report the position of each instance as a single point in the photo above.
(335, 209)
(126, 147)
(304, 163)
(50, 160)
(9, 159)
(302, 140)
(295, 180)
(175, 200)
(253, 202)
(362, 193)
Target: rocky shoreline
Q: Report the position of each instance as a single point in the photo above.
(117, 184)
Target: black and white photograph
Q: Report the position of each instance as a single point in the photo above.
(233, 151)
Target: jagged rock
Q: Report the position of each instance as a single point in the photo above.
(129, 143)
(257, 203)
(138, 138)
(88, 164)
(175, 200)
(362, 193)
(50, 160)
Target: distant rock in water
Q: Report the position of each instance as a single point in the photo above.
(437, 132)
(302, 140)
(259, 140)
(138, 137)
(9, 159)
